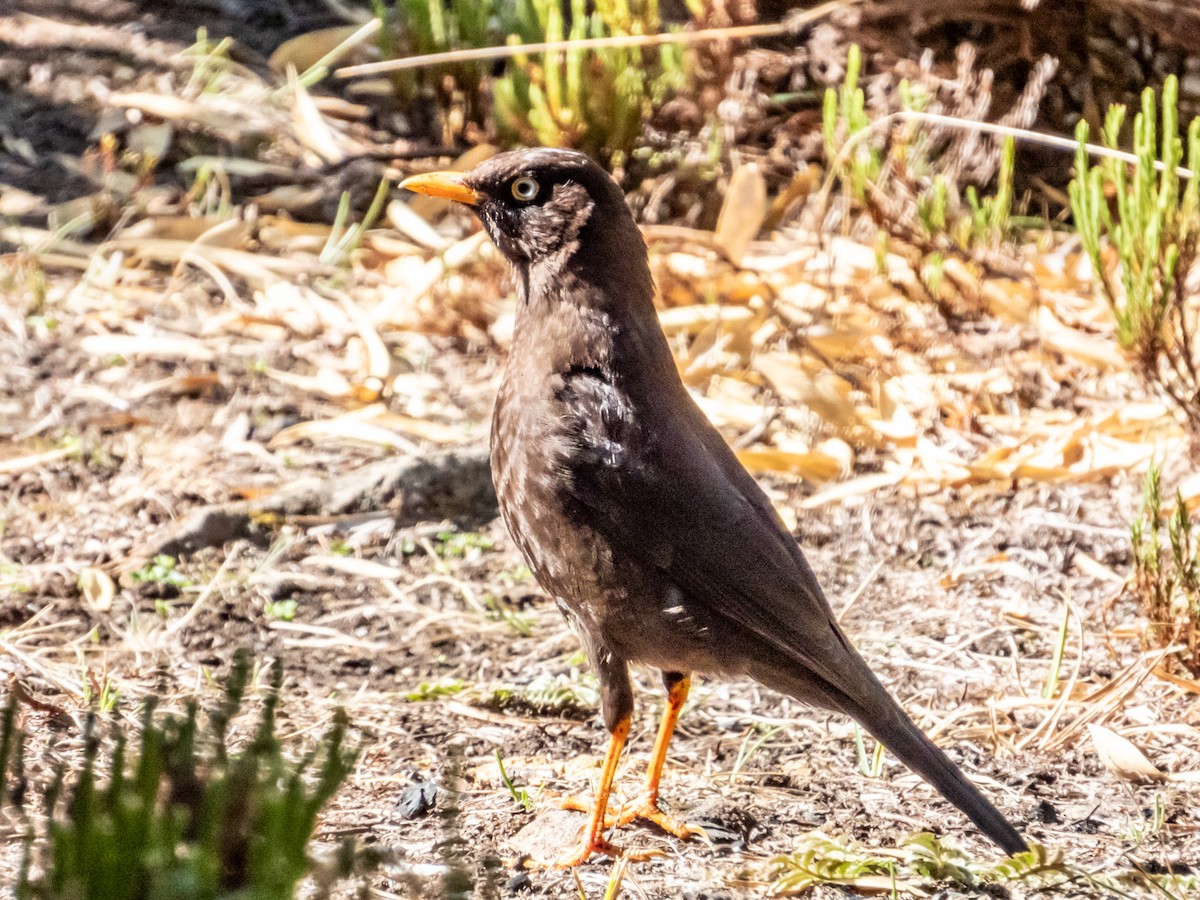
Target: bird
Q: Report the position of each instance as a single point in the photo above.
(629, 507)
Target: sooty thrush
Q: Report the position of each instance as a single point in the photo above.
(630, 508)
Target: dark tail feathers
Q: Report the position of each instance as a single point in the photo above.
(913, 748)
(892, 727)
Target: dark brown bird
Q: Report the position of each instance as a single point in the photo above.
(630, 508)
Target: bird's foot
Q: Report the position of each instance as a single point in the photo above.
(577, 803)
(644, 808)
(577, 855)
(581, 853)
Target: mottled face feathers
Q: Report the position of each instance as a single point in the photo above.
(562, 222)
(535, 203)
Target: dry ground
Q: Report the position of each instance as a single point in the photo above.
(956, 596)
(959, 487)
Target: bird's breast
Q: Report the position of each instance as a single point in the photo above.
(531, 445)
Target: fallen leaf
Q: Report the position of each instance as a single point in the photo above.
(305, 50)
(98, 589)
(1121, 757)
(743, 211)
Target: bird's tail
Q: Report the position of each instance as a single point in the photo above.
(914, 748)
(892, 727)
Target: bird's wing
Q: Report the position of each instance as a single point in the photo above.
(680, 501)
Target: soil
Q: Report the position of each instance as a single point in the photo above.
(447, 656)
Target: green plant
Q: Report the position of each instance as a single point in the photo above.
(438, 26)
(1054, 672)
(549, 694)
(824, 860)
(754, 741)
(1142, 829)
(283, 610)
(101, 694)
(923, 203)
(846, 128)
(433, 690)
(931, 858)
(933, 271)
(162, 570)
(211, 191)
(1152, 224)
(318, 71)
(338, 547)
(1166, 573)
(211, 64)
(870, 763)
(462, 544)
(501, 611)
(594, 100)
(520, 794)
(182, 816)
(991, 216)
(343, 241)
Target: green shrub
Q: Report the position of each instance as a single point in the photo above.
(911, 190)
(591, 100)
(846, 127)
(1152, 223)
(1166, 574)
(420, 27)
(182, 816)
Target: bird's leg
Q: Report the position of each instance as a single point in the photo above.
(593, 838)
(646, 806)
(616, 703)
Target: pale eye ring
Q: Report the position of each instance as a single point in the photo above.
(525, 188)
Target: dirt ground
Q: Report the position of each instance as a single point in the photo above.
(443, 650)
(955, 598)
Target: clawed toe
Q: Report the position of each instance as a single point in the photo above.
(601, 815)
(578, 855)
(577, 803)
(585, 850)
(647, 810)
(643, 809)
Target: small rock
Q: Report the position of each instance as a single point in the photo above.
(549, 834)
(519, 882)
(1047, 813)
(417, 799)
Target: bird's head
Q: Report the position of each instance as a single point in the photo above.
(540, 205)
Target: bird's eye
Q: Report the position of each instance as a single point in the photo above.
(525, 188)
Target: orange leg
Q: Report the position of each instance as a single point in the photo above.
(593, 840)
(676, 697)
(646, 806)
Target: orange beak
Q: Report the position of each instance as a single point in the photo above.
(448, 185)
